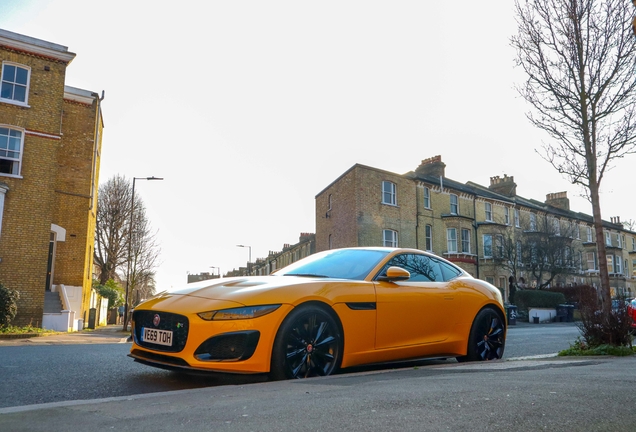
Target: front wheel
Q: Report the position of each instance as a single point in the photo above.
(487, 337)
(308, 344)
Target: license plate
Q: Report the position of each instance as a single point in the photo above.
(156, 336)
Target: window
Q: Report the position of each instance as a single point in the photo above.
(577, 231)
(487, 245)
(454, 204)
(15, 83)
(608, 239)
(590, 258)
(517, 224)
(634, 268)
(610, 264)
(451, 240)
(556, 226)
(533, 222)
(427, 198)
(589, 235)
(10, 151)
(465, 240)
(506, 215)
(488, 207)
(390, 238)
(429, 238)
(619, 241)
(388, 193)
(329, 203)
(618, 261)
(424, 269)
(500, 245)
(633, 244)
(518, 252)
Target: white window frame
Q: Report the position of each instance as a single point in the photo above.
(517, 218)
(608, 238)
(590, 238)
(507, 215)
(618, 262)
(427, 197)
(590, 259)
(4, 151)
(610, 264)
(455, 204)
(428, 235)
(619, 241)
(499, 245)
(451, 240)
(487, 245)
(5, 79)
(577, 227)
(391, 193)
(390, 238)
(533, 222)
(465, 234)
(488, 211)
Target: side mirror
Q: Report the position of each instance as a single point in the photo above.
(395, 274)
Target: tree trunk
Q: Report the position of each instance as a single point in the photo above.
(606, 296)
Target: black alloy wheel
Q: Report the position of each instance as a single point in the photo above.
(308, 344)
(487, 337)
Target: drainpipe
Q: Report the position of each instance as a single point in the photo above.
(476, 234)
(95, 146)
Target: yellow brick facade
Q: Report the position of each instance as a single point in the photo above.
(48, 211)
(350, 212)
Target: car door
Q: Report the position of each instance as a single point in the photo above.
(419, 310)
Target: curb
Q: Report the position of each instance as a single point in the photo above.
(19, 335)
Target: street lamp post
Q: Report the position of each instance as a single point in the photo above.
(249, 263)
(130, 226)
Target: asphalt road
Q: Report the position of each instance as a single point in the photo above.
(559, 394)
(56, 373)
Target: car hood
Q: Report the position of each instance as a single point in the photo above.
(253, 290)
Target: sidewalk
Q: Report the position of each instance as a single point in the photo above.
(112, 333)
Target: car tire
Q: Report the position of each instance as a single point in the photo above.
(309, 343)
(487, 337)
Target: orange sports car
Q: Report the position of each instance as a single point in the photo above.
(331, 310)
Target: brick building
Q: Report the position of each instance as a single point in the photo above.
(50, 143)
(479, 228)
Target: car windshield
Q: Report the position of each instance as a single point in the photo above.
(352, 264)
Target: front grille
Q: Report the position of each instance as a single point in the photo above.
(228, 347)
(176, 323)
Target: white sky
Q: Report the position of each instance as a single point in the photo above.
(248, 109)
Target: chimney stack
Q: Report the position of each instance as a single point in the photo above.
(433, 167)
(504, 186)
(559, 200)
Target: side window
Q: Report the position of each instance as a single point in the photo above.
(488, 207)
(388, 193)
(421, 267)
(390, 238)
(427, 198)
(454, 204)
(10, 151)
(15, 83)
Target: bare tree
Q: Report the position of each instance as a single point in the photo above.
(111, 232)
(122, 227)
(579, 59)
(144, 256)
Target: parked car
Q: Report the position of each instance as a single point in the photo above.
(333, 309)
(631, 312)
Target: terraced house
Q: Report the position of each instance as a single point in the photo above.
(491, 232)
(50, 143)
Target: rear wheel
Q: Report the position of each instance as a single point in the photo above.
(487, 337)
(308, 344)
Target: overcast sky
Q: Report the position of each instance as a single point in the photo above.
(248, 109)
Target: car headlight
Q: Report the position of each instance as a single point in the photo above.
(246, 312)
